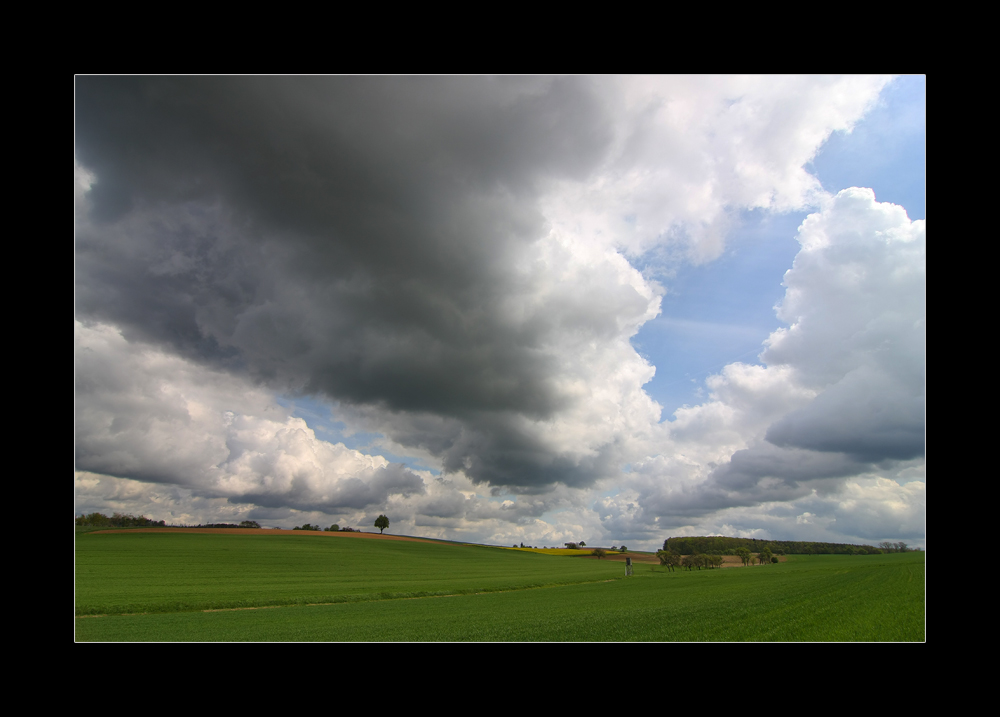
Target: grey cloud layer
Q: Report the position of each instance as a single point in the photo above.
(444, 259)
(351, 237)
(363, 224)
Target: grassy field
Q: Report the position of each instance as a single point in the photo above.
(330, 589)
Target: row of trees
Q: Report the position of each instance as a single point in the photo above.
(889, 547)
(764, 557)
(722, 545)
(117, 520)
(671, 560)
(381, 523)
(127, 520)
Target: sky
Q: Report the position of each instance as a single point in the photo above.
(504, 310)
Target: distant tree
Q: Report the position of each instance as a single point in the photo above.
(381, 523)
(687, 562)
(572, 546)
(669, 559)
(249, 524)
(901, 547)
(623, 549)
(598, 552)
(333, 528)
(765, 556)
(583, 544)
(744, 555)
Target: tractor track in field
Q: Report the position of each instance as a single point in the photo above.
(352, 602)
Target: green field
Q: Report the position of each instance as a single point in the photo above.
(313, 588)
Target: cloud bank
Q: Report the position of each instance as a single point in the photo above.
(451, 263)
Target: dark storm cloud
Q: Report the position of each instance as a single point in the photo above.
(868, 415)
(765, 474)
(495, 447)
(345, 236)
(359, 491)
(747, 468)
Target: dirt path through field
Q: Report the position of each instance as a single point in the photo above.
(355, 602)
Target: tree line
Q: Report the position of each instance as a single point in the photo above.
(381, 522)
(722, 545)
(117, 520)
(127, 520)
(671, 560)
(123, 520)
(889, 547)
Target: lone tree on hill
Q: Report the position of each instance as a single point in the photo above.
(381, 523)
(598, 552)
